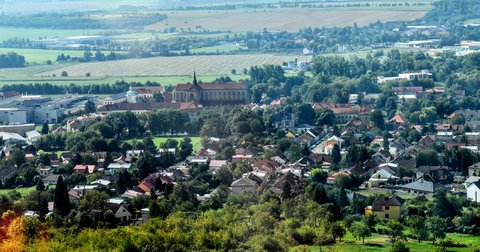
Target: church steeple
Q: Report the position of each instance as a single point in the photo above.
(195, 78)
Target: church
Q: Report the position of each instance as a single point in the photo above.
(211, 94)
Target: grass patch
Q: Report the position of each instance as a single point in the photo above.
(196, 141)
(379, 243)
(40, 56)
(23, 191)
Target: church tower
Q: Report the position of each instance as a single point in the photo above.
(131, 95)
(195, 78)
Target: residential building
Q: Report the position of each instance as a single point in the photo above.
(244, 184)
(386, 208)
(474, 170)
(473, 191)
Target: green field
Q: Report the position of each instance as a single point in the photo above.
(23, 191)
(40, 56)
(379, 243)
(226, 48)
(196, 141)
(37, 34)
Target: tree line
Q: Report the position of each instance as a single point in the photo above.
(11, 60)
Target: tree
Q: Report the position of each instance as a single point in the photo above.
(224, 175)
(186, 148)
(304, 114)
(325, 117)
(40, 186)
(443, 207)
(45, 129)
(359, 230)
(336, 155)
(377, 119)
(370, 220)
(61, 201)
(64, 74)
(338, 231)
(395, 231)
(437, 227)
(318, 176)
(18, 157)
(419, 229)
(90, 107)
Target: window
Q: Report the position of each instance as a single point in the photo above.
(387, 216)
(387, 208)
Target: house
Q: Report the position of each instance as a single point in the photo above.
(473, 191)
(399, 119)
(114, 168)
(386, 208)
(133, 154)
(45, 171)
(102, 182)
(52, 179)
(381, 177)
(119, 211)
(240, 158)
(79, 168)
(331, 179)
(75, 197)
(436, 174)
(244, 185)
(288, 178)
(474, 170)
(215, 165)
(421, 187)
(32, 136)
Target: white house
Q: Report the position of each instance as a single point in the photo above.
(381, 177)
(120, 212)
(473, 191)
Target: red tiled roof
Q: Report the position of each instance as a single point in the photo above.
(211, 86)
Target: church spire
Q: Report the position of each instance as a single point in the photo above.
(195, 78)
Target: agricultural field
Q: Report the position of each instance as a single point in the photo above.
(181, 65)
(281, 19)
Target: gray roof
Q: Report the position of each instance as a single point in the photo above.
(420, 185)
(244, 182)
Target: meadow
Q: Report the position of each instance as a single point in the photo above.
(23, 191)
(379, 243)
(196, 141)
(41, 56)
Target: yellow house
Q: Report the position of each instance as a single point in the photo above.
(387, 208)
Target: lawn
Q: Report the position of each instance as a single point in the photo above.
(380, 243)
(196, 141)
(23, 191)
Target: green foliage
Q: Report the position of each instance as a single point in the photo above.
(61, 201)
(399, 247)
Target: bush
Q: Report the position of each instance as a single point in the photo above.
(399, 247)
